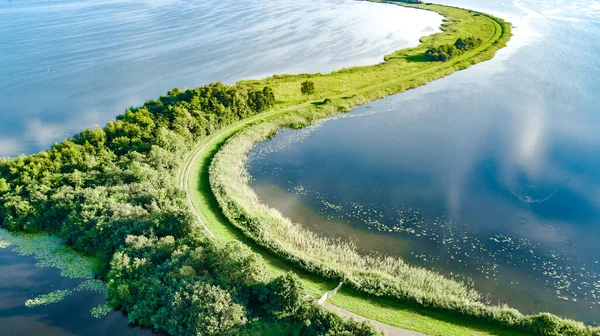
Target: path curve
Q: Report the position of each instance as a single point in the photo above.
(200, 149)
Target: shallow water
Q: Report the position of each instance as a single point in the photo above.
(67, 65)
(491, 173)
(21, 280)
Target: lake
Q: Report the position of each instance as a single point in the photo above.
(68, 65)
(21, 280)
(489, 174)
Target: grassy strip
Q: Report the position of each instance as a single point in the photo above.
(374, 275)
(386, 311)
(402, 70)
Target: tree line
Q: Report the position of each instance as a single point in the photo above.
(111, 193)
(447, 52)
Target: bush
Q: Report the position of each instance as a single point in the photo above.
(447, 52)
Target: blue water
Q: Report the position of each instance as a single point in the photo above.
(491, 173)
(67, 65)
(21, 280)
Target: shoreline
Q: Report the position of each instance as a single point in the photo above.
(195, 199)
(114, 208)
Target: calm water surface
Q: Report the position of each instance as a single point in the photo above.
(491, 173)
(67, 65)
(20, 280)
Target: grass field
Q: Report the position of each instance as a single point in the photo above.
(347, 88)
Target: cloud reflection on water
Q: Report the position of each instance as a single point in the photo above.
(81, 56)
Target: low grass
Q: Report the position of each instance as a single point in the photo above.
(401, 70)
(346, 88)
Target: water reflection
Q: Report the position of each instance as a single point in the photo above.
(490, 173)
(67, 65)
(20, 280)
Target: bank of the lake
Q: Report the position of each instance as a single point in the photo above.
(229, 182)
(110, 192)
(489, 173)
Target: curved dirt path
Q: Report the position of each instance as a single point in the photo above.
(200, 150)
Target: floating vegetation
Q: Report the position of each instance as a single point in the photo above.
(101, 310)
(49, 251)
(46, 299)
(94, 285)
(470, 252)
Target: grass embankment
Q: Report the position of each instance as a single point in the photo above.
(346, 88)
(445, 306)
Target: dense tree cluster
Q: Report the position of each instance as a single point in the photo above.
(111, 193)
(195, 286)
(447, 52)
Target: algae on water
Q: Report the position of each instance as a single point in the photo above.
(49, 251)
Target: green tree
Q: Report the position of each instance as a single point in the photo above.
(284, 295)
(203, 309)
(4, 186)
(307, 88)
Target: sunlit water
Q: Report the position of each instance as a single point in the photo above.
(491, 173)
(67, 65)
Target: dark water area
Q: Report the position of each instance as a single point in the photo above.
(21, 280)
(68, 65)
(491, 173)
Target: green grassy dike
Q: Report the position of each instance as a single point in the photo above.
(347, 88)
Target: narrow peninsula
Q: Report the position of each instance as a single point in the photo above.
(160, 199)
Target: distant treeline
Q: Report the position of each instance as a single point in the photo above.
(409, 1)
(449, 51)
(111, 193)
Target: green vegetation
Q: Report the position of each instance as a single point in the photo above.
(49, 251)
(447, 52)
(111, 193)
(375, 275)
(307, 88)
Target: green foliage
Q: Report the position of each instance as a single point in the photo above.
(447, 52)
(284, 295)
(261, 100)
(203, 309)
(194, 286)
(466, 44)
(442, 53)
(307, 88)
(111, 193)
